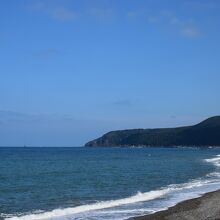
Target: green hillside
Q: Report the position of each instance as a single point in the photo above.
(206, 133)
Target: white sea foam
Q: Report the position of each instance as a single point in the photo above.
(215, 160)
(188, 190)
(139, 197)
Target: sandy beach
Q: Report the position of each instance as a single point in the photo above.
(206, 207)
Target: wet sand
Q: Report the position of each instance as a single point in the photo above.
(206, 207)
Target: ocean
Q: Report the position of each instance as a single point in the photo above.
(101, 183)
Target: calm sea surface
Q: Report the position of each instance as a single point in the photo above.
(101, 183)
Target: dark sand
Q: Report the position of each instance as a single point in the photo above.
(206, 207)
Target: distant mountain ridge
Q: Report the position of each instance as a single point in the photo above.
(206, 133)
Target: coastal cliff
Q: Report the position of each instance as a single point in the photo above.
(206, 133)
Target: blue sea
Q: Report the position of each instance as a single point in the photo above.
(101, 183)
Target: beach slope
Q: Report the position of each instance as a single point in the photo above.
(206, 207)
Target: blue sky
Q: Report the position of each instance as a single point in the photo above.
(72, 70)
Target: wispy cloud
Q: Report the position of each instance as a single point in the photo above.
(123, 102)
(185, 27)
(153, 19)
(61, 11)
(99, 13)
(173, 116)
(11, 116)
(63, 14)
(132, 14)
(202, 5)
(47, 53)
(18, 118)
(58, 12)
(19, 129)
(190, 32)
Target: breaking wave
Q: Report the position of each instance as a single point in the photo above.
(165, 197)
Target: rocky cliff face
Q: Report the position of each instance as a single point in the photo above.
(206, 133)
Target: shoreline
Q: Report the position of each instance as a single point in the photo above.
(206, 207)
